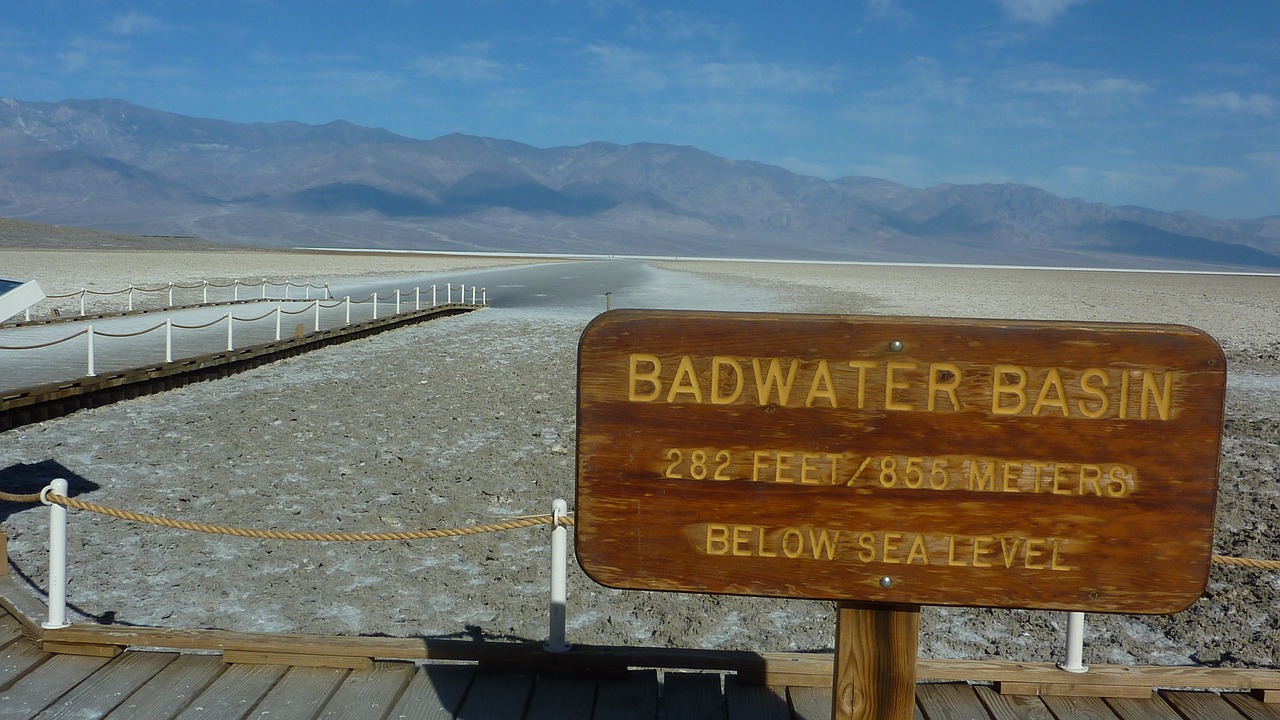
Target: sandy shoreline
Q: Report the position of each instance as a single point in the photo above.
(462, 421)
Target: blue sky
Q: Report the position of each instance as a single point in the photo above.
(1169, 105)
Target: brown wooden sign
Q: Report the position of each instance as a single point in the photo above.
(1050, 465)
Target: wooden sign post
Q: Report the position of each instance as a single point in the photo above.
(887, 463)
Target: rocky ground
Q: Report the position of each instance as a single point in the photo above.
(470, 419)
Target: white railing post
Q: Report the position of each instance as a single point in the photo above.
(449, 288)
(205, 289)
(264, 288)
(328, 294)
(484, 296)
(82, 291)
(433, 296)
(307, 291)
(168, 339)
(230, 323)
(559, 574)
(1075, 644)
(374, 296)
(317, 315)
(278, 314)
(235, 290)
(462, 295)
(346, 301)
(473, 294)
(287, 284)
(170, 294)
(397, 301)
(130, 298)
(89, 332)
(57, 556)
(417, 297)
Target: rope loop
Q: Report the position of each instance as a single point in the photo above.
(512, 524)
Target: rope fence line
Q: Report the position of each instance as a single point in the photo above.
(304, 536)
(513, 524)
(55, 495)
(312, 307)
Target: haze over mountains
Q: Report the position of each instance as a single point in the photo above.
(114, 166)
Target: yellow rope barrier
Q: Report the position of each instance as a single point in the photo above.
(513, 524)
(300, 536)
(1247, 562)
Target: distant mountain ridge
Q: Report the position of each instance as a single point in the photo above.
(118, 167)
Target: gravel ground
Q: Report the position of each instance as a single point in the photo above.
(470, 419)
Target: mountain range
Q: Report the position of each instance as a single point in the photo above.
(114, 166)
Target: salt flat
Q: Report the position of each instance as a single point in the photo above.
(464, 420)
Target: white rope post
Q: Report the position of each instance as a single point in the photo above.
(397, 301)
(278, 313)
(473, 294)
(170, 294)
(1075, 644)
(230, 324)
(449, 287)
(417, 299)
(235, 290)
(288, 284)
(168, 339)
(559, 578)
(484, 296)
(89, 332)
(328, 294)
(264, 288)
(346, 300)
(463, 293)
(205, 290)
(317, 315)
(374, 296)
(433, 296)
(82, 302)
(130, 298)
(307, 291)
(57, 557)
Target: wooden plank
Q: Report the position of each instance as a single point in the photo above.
(1252, 707)
(250, 657)
(171, 690)
(88, 649)
(1085, 708)
(22, 604)
(234, 693)
(562, 696)
(109, 687)
(632, 697)
(496, 697)
(369, 693)
(39, 688)
(10, 629)
(1004, 707)
(825, 457)
(1152, 708)
(692, 696)
(1073, 689)
(949, 701)
(810, 703)
(435, 693)
(301, 693)
(1201, 705)
(17, 658)
(755, 702)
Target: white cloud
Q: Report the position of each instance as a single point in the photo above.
(651, 73)
(1037, 12)
(463, 68)
(135, 23)
(1259, 104)
(889, 10)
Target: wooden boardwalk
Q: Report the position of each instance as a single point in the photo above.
(142, 684)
